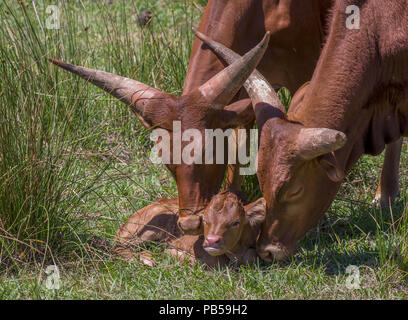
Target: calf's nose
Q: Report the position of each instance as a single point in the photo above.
(210, 240)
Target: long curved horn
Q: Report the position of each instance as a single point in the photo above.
(221, 88)
(131, 92)
(258, 88)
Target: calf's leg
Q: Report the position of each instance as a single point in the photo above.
(155, 222)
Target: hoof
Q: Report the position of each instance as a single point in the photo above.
(128, 255)
(125, 254)
(147, 259)
(384, 202)
(181, 255)
(191, 225)
(377, 201)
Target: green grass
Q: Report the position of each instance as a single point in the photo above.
(74, 166)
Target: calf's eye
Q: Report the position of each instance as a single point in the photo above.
(235, 224)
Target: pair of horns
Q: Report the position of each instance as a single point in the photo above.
(312, 142)
(257, 87)
(218, 91)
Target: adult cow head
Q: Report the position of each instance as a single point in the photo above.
(203, 108)
(297, 169)
(299, 176)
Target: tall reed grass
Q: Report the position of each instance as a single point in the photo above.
(49, 118)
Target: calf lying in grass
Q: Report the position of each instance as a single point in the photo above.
(230, 231)
(157, 222)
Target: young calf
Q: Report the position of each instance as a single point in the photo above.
(158, 222)
(230, 231)
(232, 228)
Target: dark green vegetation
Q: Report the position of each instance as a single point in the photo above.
(74, 165)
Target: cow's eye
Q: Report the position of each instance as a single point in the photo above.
(235, 224)
(296, 193)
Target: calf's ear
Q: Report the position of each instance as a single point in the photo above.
(237, 114)
(255, 212)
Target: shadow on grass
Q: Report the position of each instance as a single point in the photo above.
(358, 234)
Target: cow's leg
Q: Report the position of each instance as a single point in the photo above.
(234, 178)
(388, 186)
(146, 258)
(181, 255)
(183, 248)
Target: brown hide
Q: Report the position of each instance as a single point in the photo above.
(201, 109)
(155, 222)
(158, 222)
(360, 88)
(297, 32)
(297, 29)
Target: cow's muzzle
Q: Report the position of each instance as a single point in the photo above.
(273, 252)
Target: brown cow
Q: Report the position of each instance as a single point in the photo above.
(297, 31)
(297, 28)
(359, 90)
(202, 108)
(223, 242)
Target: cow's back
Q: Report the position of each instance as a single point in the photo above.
(297, 33)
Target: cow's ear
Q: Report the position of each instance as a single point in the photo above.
(330, 165)
(237, 114)
(255, 212)
(320, 143)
